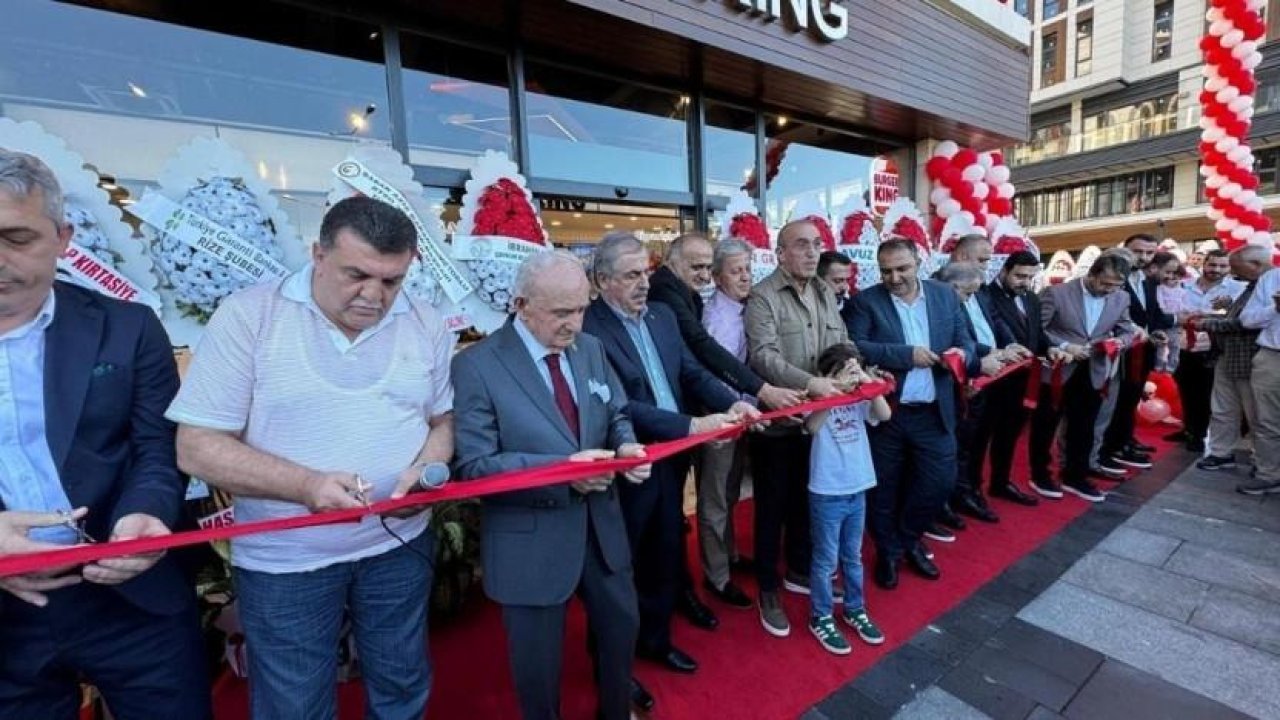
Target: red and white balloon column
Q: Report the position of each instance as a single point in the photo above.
(972, 185)
(1230, 49)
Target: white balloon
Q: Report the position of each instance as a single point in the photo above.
(946, 149)
(999, 175)
(980, 190)
(1238, 105)
(1214, 15)
(1213, 134)
(948, 207)
(1261, 237)
(939, 195)
(973, 173)
(1220, 27)
(1247, 113)
(1252, 61)
(1226, 144)
(1215, 181)
(1214, 85)
(1255, 5)
(1255, 204)
(1006, 190)
(1232, 39)
(1229, 191)
(1225, 224)
(1214, 214)
(1242, 232)
(1244, 49)
(1210, 71)
(1227, 94)
(968, 216)
(1205, 171)
(986, 160)
(1238, 154)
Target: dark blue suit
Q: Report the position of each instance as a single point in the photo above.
(654, 510)
(970, 442)
(109, 376)
(1145, 313)
(915, 451)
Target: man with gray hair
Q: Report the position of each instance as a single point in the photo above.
(85, 380)
(1262, 313)
(973, 248)
(665, 386)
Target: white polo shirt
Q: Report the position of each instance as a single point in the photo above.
(273, 368)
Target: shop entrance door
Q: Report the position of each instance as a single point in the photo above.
(578, 224)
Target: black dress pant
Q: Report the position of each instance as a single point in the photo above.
(968, 454)
(915, 460)
(1195, 386)
(1120, 432)
(1079, 410)
(780, 480)
(654, 514)
(1001, 424)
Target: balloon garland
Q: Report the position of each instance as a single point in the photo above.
(1230, 49)
(972, 186)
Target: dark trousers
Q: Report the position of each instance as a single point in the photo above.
(1195, 386)
(915, 461)
(780, 478)
(1120, 432)
(535, 642)
(147, 667)
(1079, 410)
(968, 454)
(1002, 421)
(654, 513)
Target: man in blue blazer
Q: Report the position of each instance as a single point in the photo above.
(663, 382)
(85, 384)
(904, 325)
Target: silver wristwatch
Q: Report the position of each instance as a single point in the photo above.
(433, 475)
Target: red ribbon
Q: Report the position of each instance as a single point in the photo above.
(553, 474)
(1137, 362)
(953, 361)
(980, 383)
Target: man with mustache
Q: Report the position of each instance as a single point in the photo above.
(321, 391)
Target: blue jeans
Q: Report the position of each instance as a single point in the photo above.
(835, 525)
(292, 623)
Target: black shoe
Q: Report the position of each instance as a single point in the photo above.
(1195, 445)
(939, 533)
(1132, 459)
(1047, 488)
(673, 658)
(742, 563)
(730, 595)
(949, 518)
(1084, 490)
(1013, 494)
(1097, 474)
(1139, 447)
(1107, 466)
(640, 697)
(886, 573)
(1180, 436)
(975, 506)
(1214, 462)
(696, 611)
(922, 564)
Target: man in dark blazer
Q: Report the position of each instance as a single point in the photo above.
(835, 269)
(904, 325)
(663, 382)
(86, 385)
(1013, 303)
(533, 393)
(1078, 317)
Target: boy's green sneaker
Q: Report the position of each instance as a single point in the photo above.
(824, 628)
(867, 630)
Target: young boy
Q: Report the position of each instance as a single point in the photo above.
(840, 473)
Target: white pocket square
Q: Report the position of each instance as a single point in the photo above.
(600, 390)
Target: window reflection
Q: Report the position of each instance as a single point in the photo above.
(457, 102)
(729, 150)
(812, 166)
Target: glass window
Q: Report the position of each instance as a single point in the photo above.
(1052, 8)
(1084, 47)
(456, 102)
(1162, 31)
(1267, 96)
(1023, 8)
(1049, 59)
(729, 150)
(288, 88)
(812, 165)
(590, 129)
(1268, 169)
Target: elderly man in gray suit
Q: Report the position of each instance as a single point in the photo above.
(536, 392)
(1080, 317)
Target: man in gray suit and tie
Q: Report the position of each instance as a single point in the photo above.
(537, 392)
(1078, 317)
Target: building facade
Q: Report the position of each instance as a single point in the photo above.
(1115, 123)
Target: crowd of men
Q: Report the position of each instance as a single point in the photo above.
(331, 387)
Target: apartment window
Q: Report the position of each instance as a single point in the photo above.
(1150, 118)
(1106, 197)
(1049, 60)
(1083, 3)
(1052, 8)
(1084, 46)
(1162, 31)
(1023, 8)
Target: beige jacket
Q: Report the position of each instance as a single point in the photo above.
(788, 330)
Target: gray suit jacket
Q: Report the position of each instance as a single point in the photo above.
(533, 542)
(1062, 317)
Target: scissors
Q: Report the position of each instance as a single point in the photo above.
(361, 493)
(76, 526)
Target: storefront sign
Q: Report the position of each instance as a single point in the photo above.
(884, 184)
(830, 19)
(364, 181)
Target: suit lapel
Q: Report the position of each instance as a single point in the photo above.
(581, 373)
(515, 357)
(70, 352)
(667, 352)
(892, 321)
(616, 334)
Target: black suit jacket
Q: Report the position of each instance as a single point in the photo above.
(1150, 317)
(847, 311)
(1023, 329)
(688, 379)
(667, 288)
(1003, 336)
(109, 376)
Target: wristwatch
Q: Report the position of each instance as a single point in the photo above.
(433, 475)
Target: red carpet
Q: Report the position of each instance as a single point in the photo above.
(745, 673)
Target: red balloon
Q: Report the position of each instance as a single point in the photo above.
(972, 204)
(997, 158)
(965, 191)
(964, 158)
(1152, 411)
(979, 220)
(936, 167)
(1167, 390)
(951, 178)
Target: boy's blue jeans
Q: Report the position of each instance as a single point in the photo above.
(835, 525)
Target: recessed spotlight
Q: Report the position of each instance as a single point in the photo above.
(633, 218)
(782, 121)
(608, 226)
(577, 215)
(555, 223)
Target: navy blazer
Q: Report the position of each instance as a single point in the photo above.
(1150, 317)
(1023, 328)
(877, 331)
(1002, 333)
(689, 380)
(109, 376)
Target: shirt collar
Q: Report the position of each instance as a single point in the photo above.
(536, 349)
(723, 297)
(795, 282)
(625, 317)
(39, 323)
(297, 288)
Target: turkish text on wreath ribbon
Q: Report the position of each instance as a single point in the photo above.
(204, 235)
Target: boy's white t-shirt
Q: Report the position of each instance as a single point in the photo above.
(840, 462)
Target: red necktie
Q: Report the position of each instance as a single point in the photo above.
(564, 398)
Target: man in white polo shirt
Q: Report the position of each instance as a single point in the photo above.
(313, 393)
(1263, 313)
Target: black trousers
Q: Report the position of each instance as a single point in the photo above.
(915, 461)
(1079, 410)
(780, 478)
(968, 455)
(1120, 432)
(535, 642)
(1195, 386)
(654, 514)
(1002, 421)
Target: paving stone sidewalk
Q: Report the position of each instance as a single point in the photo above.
(1162, 602)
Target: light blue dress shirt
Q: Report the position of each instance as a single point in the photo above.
(917, 386)
(28, 476)
(640, 337)
(980, 326)
(539, 352)
(1093, 306)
